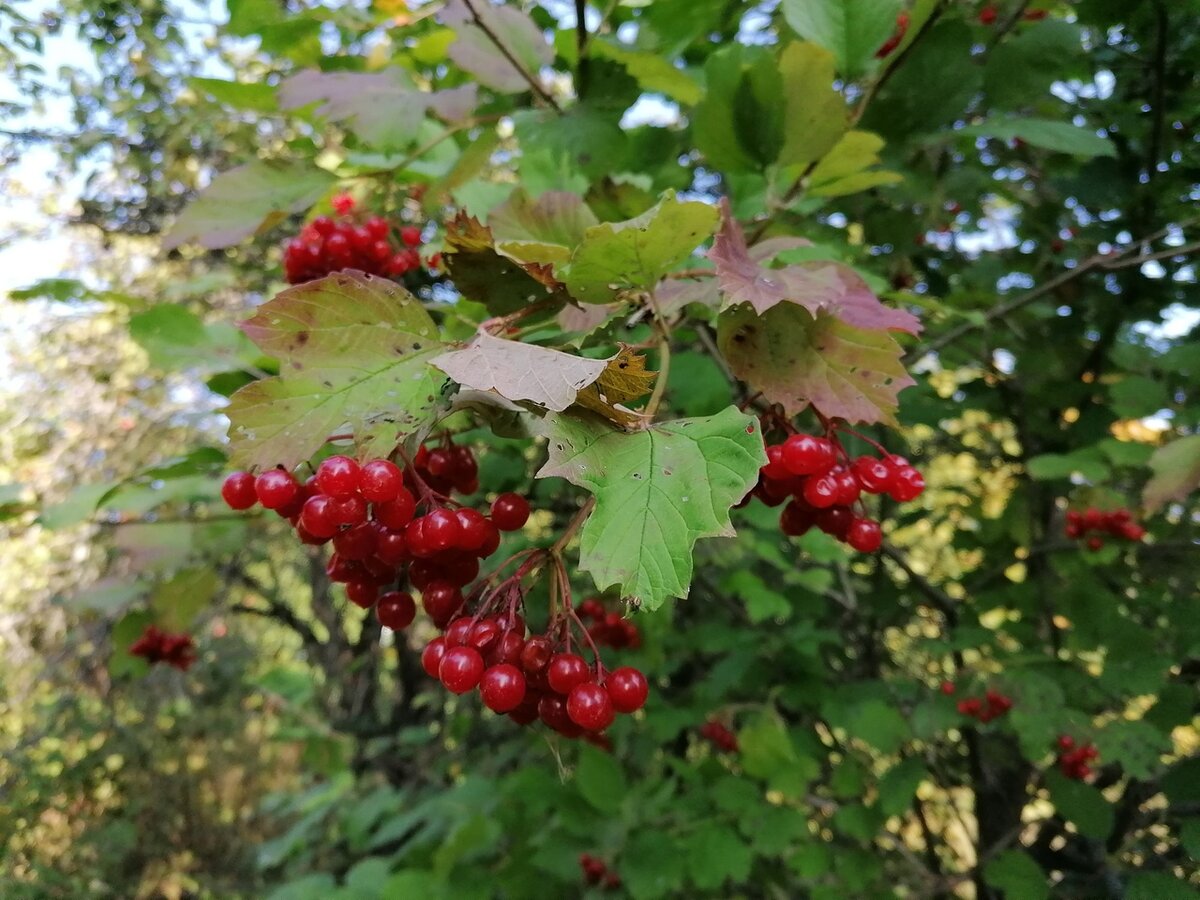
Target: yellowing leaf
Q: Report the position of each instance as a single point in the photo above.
(623, 380)
(796, 359)
(482, 273)
(846, 169)
(1176, 470)
(815, 113)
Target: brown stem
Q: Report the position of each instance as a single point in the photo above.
(508, 55)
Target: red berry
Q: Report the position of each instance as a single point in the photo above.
(357, 542)
(418, 545)
(552, 710)
(275, 488)
(988, 15)
(536, 654)
(774, 469)
(864, 535)
(506, 650)
(460, 669)
(411, 235)
(1066, 742)
(796, 519)
(343, 204)
(474, 529)
(872, 474)
(440, 463)
(821, 491)
(380, 481)
(590, 707)
(835, 521)
(1095, 542)
(316, 517)
(804, 454)
(483, 634)
(396, 610)
(947, 688)
(441, 601)
(510, 512)
(338, 476)
(567, 670)
(502, 688)
(239, 491)
(442, 530)
(491, 543)
(348, 510)
(362, 593)
(627, 688)
(459, 632)
(431, 656)
(398, 511)
(390, 547)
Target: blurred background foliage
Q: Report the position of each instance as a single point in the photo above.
(305, 755)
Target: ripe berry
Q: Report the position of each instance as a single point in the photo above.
(505, 650)
(395, 610)
(796, 519)
(536, 654)
(864, 535)
(567, 670)
(275, 488)
(441, 529)
(552, 710)
(835, 521)
(348, 510)
(988, 15)
(380, 481)
(238, 491)
(339, 476)
(441, 601)
(362, 593)
(473, 529)
(590, 707)
(510, 512)
(431, 656)
(821, 491)
(502, 688)
(627, 688)
(356, 542)
(459, 632)
(460, 669)
(411, 235)
(316, 517)
(804, 454)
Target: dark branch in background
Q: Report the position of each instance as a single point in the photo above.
(280, 612)
(534, 84)
(583, 67)
(945, 604)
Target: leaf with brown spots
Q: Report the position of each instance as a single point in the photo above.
(353, 352)
(797, 360)
(623, 380)
(482, 273)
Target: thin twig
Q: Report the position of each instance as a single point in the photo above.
(508, 55)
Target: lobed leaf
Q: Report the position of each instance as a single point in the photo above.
(1176, 469)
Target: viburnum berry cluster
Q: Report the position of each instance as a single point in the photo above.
(536, 677)
(1074, 759)
(390, 526)
(823, 487)
(371, 244)
(609, 628)
(991, 706)
(1093, 524)
(719, 736)
(158, 646)
(596, 871)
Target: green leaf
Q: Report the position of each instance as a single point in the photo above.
(815, 114)
(253, 96)
(898, 787)
(1021, 68)
(715, 855)
(600, 779)
(652, 71)
(1138, 747)
(124, 632)
(1087, 463)
(1015, 873)
(636, 253)
(1189, 837)
(762, 603)
(477, 52)
(651, 868)
(106, 596)
(318, 886)
(1137, 396)
(875, 722)
(797, 360)
(354, 351)
(368, 878)
(245, 200)
(1061, 137)
(657, 492)
(176, 601)
(78, 507)
(483, 274)
(846, 169)
(1082, 804)
(175, 338)
(739, 123)
(1176, 469)
(545, 230)
(768, 752)
(851, 29)
(1158, 886)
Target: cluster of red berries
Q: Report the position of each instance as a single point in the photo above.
(719, 736)
(609, 629)
(157, 646)
(328, 245)
(1117, 523)
(989, 14)
(1073, 760)
(897, 36)
(369, 513)
(824, 492)
(991, 706)
(531, 678)
(596, 871)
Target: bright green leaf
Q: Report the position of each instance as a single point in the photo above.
(850, 29)
(815, 114)
(1015, 873)
(600, 779)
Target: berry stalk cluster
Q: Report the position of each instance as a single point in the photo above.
(609, 628)
(719, 736)
(823, 487)
(992, 705)
(371, 244)
(596, 871)
(1092, 524)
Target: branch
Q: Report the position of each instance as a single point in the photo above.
(946, 604)
(534, 84)
(583, 67)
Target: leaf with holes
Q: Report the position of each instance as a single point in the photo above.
(798, 360)
(624, 379)
(819, 287)
(636, 253)
(246, 200)
(495, 43)
(657, 492)
(517, 371)
(354, 352)
(1176, 469)
(382, 108)
(482, 273)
